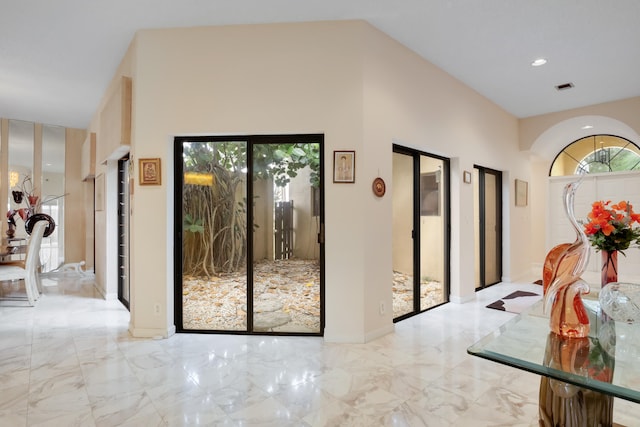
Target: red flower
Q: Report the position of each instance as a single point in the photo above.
(610, 227)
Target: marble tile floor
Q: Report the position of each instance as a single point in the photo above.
(69, 361)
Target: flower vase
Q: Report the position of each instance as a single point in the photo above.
(609, 273)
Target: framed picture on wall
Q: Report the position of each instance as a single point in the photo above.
(344, 166)
(149, 171)
(522, 192)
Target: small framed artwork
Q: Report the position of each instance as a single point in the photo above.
(344, 166)
(466, 177)
(522, 192)
(149, 171)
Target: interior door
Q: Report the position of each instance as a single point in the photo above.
(488, 230)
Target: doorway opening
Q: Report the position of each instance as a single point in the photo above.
(124, 165)
(421, 231)
(487, 194)
(249, 254)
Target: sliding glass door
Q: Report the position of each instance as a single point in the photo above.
(249, 267)
(420, 231)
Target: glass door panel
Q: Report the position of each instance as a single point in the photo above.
(214, 235)
(250, 225)
(403, 253)
(286, 226)
(432, 232)
(420, 238)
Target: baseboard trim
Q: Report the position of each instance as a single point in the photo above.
(107, 296)
(152, 332)
(380, 332)
(340, 338)
(461, 300)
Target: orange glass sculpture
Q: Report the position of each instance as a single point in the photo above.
(561, 273)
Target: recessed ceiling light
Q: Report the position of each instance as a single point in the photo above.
(585, 127)
(538, 62)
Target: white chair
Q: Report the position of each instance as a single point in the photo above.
(28, 272)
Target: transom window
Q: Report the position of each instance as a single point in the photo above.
(597, 154)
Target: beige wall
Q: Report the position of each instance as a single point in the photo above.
(253, 80)
(625, 111)
(359, 88)
(305, 224)
(411, 102)
(104, 232)
(75, 217)
(263, 218)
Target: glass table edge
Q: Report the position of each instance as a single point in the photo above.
(599, 386)
(591, 384)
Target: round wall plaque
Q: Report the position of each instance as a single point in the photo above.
(379, 187)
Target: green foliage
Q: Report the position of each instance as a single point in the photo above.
(283, 161)
(621, 159)
(192, 226)
(618, 240)
(215, 215)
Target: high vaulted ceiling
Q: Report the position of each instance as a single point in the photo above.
(57, 57)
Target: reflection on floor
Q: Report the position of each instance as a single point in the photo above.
(70, 361)
(287, 298)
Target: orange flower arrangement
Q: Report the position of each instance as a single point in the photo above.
(610, 227)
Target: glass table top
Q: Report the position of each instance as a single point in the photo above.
(607, 361)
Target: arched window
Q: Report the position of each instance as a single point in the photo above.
(596, 154)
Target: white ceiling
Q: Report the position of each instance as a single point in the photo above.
(57, 57)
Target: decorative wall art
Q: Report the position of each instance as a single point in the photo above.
(150, 173)
(379, 187)
(344, 166)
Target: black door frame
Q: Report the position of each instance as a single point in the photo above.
(251, 140)
(124, 269)
(482, 221)
(446, 212)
